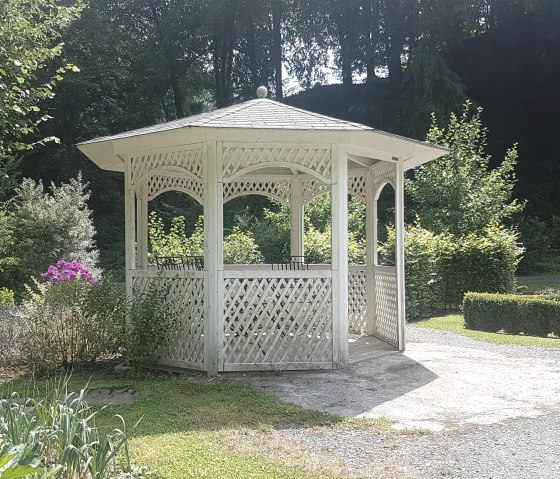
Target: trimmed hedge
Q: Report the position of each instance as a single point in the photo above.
(441, 268)
(513, 314)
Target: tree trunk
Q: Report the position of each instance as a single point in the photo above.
(277, 46)
(177, 95)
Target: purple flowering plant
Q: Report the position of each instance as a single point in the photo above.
(68, 271)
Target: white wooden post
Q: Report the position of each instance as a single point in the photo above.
(129, 228)
(339, 262)
(142, 228)
(371, 252)
(213, 258)
(296, 218)
(400, 258)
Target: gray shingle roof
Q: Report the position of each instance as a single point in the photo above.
(260, 113)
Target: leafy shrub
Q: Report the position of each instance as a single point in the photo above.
(149, 319)
(241, 248)
(6, 297)
(59, 429)
(49, 226)
(441, 268)
(71, 318)
(513, 314)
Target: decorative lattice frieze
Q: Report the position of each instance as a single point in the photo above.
(188, 159)
(237, 158)
(279, 190)
(386, 316)
(357, 300)
(271, 323)
(357, 186)
(184, 335)
(386, 173)
(159, 183)
(312, 189)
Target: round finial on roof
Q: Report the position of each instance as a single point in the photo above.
(262, 92)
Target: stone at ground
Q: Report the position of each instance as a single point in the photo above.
(103, 396)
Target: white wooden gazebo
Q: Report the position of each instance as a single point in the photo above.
(256, 317)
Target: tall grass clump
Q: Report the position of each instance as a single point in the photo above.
(56, 436)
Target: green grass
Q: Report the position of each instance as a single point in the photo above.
(187, 428)
(455, 324)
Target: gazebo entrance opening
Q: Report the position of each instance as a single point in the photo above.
(293, 314)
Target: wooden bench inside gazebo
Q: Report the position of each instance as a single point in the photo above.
(261, 317)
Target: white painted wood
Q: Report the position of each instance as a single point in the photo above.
(371, 252)
(400, 258)
(129, 220)
(142, 228)
(213, 256)
(255, 273)
(296, 218)
(340, 255)
(306, 366)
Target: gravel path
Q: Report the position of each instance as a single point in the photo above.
(514, 433)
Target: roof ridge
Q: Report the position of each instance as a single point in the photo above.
(231, 109)
(319, 115)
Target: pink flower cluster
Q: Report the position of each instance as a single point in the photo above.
(67, 271)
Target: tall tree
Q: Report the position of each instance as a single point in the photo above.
(459, 193)
(30, 35)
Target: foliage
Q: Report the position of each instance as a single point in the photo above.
(459, 193)
(30, 39)
(239, 247)
(67, 323)
(6, 297)
(440, 268)
(541, 239)
(58, 429)
(149, 317)
(513, 314)
(48, 227)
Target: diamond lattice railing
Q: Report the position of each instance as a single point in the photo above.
(386, 324)
(357, 300)
(274, 322)
(184, 344)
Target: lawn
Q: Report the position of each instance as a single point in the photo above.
(536, 283)
(455, 324)
(191, 428)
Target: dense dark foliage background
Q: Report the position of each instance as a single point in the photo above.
(147, 61)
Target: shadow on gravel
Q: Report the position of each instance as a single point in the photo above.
(349, 392)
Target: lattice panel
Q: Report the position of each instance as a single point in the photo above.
(237, 158)
(184, 341)
(312, 189)
(357, 301)
(279, 190)
(274, 321)
(189, 159)
(386, 322)
(160, 183)
(384, 175)
(357, 186)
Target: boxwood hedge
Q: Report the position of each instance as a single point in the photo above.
(513, 314)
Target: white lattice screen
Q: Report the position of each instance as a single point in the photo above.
(312, 189)
(184, 343)
(386, 324)
(237, 158)
(357, 186)
(159, 183)
(277, 323)
(278, 189)
(357, 299)
(189, 159)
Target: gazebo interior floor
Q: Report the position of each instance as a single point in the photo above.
(367, 347)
